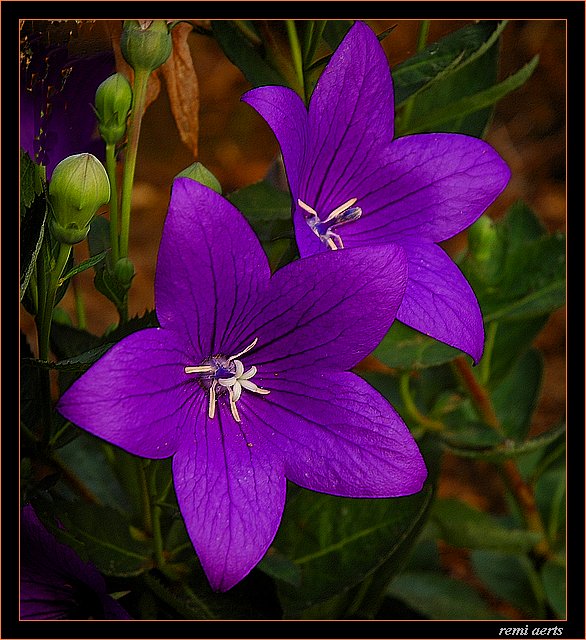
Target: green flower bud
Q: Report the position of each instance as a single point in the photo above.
(146, 46)
(79, 187)
(124, 272)
(199, 173)
(113, 102)
(483, 239)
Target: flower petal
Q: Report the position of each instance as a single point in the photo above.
(137, 396)
(350, 118)
(330, 309)
(439, 302)
(434, 186)
(337, 435)
(55, 583)
(210, 268)
(231, 496)
(286, 115)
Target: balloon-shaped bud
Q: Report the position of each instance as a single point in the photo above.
(79, 187)
(112, 105)
(483, 239)
(199, 173)
(146, 45)
(124, 272)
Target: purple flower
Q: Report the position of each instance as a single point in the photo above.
(353, 185)
(246, 381)
(57, 91)
(55, 584)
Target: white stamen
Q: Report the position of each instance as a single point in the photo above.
(212, 405)
(335, 219)
(341, 209)
(248, 348)
(206, 368)
(306, 207)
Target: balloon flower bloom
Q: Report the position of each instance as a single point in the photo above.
(247, 381)
(354, 185)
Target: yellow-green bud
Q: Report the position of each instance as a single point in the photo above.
(146, 46)
(113, 102)
(199, 173)
(482, 239)
(124, 272)
(79, 187)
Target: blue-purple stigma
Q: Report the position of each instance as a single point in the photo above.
(325, 229)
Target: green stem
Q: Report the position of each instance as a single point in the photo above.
(111, 170)
(147, 516)
(484, 366)
(44, 319)
(426, 422)
(156, 517)
(296, 54)
(139, 92)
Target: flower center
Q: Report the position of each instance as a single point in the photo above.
(325, 229)
(219, 374)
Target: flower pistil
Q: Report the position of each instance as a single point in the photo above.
(324, 229)
(220, 373)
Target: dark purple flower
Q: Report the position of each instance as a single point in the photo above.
(55, 583)
(57, 91)
(353, 185)
(246, 381)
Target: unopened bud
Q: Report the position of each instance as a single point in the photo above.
(124, 272)
(483, 239)
(113, 102)
(79, 187)
(146, 45)
(199, 173)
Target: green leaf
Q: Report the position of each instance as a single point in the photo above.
(439, 597)
(86, 458)
(82, 266)
(512, 578)
(334, 32)
(266, 208)
(245, 55)
(99, 534)
(461, 525)
(405, 348)
(507, 449)
(320, 531)
(32, 181)
(515, 399)
(553, 576)
(441, 117)
(33, 215)
(550, 496)
(443, 57)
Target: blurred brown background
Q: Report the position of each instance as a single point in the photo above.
(235, 143)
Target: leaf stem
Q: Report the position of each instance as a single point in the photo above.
(156, 517)
(520, 490)
(111, 170)
(139, 92)
(426, 422)
(296, 54)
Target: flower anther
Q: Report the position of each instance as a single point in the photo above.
(324, 229)
(220, 374)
